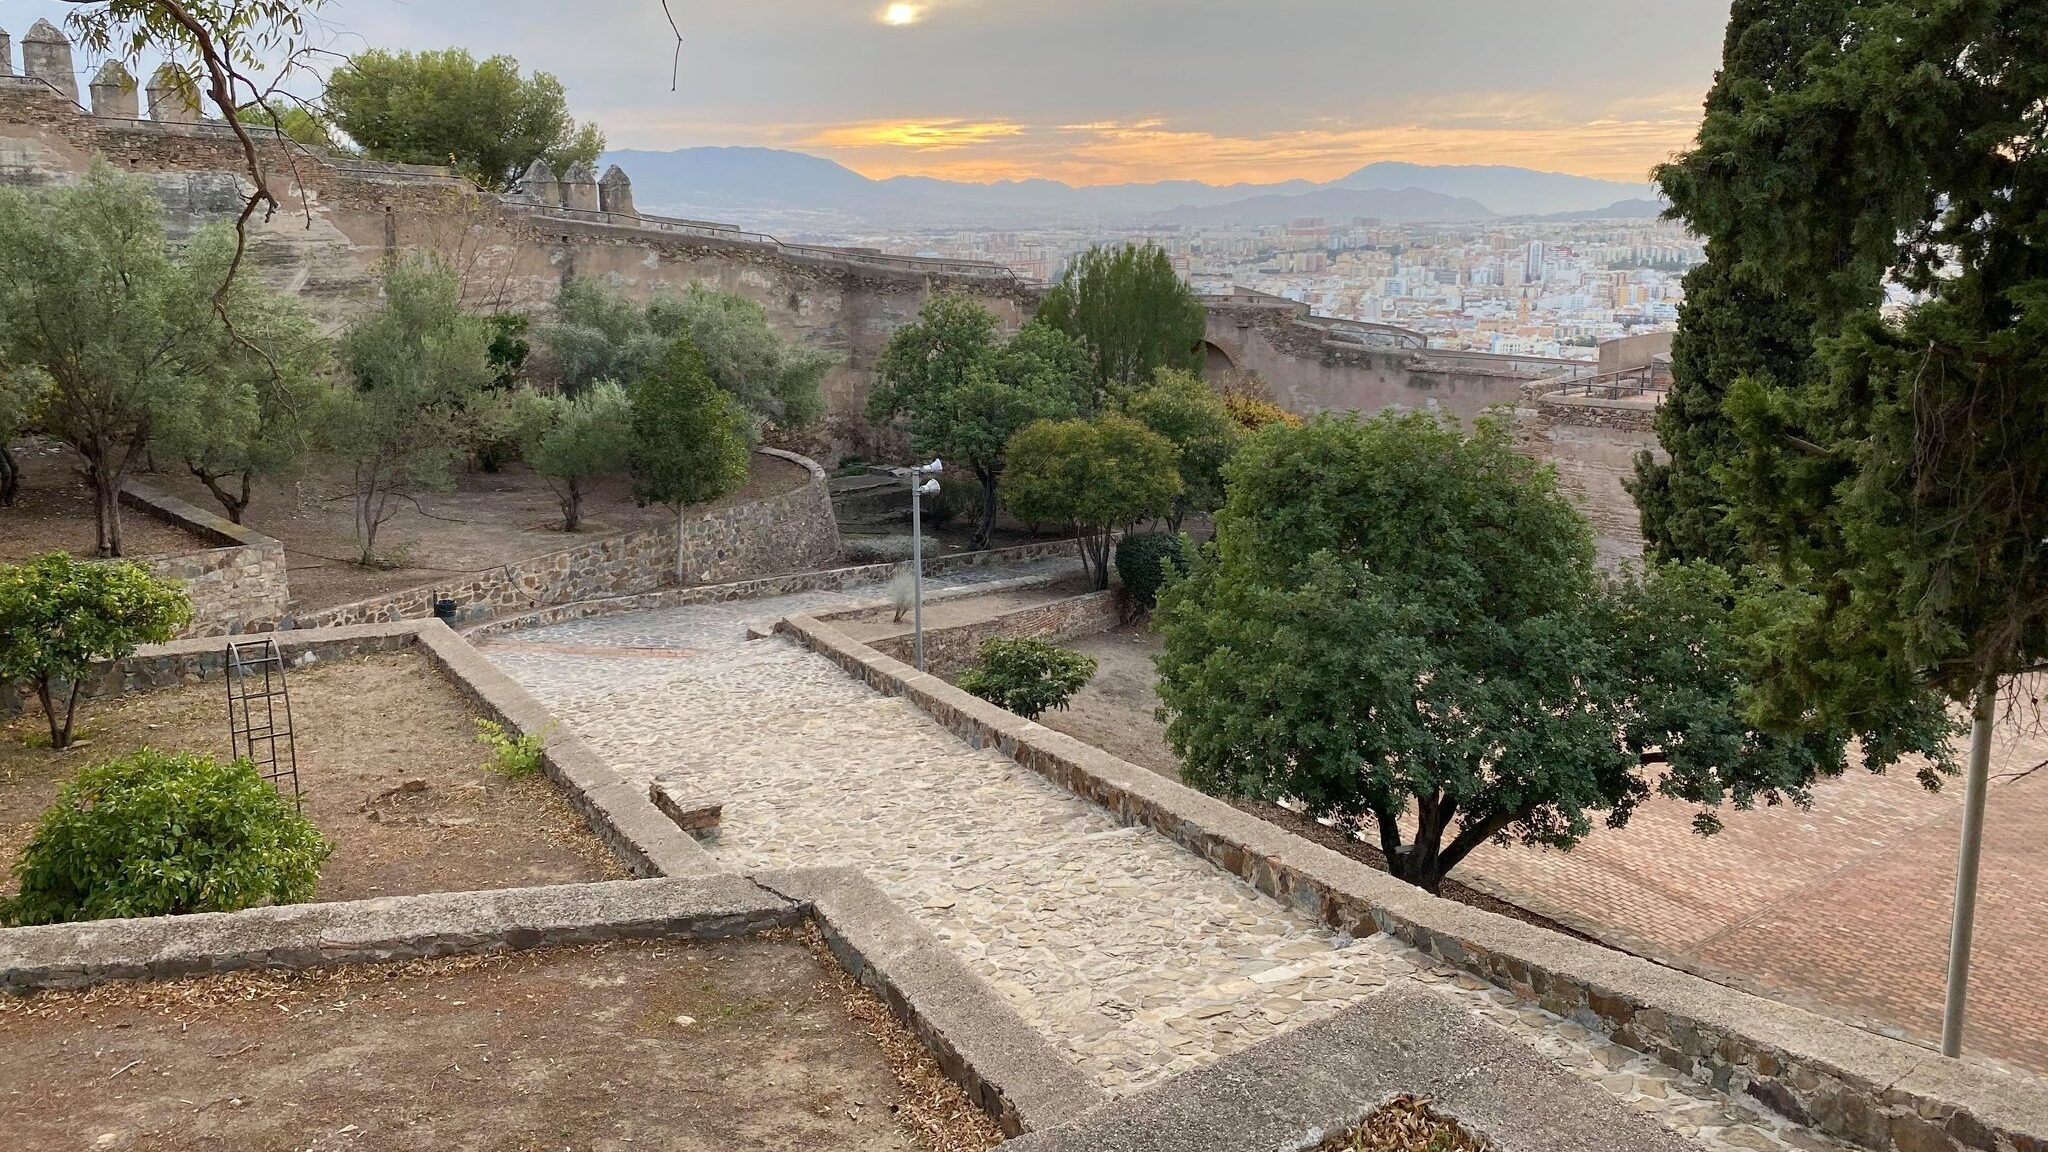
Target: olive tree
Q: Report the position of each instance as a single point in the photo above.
(1097, 477)
(572, 441)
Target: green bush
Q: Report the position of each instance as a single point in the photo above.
(1143, 562)
(512, 755)
(59, 617)
(163, 834)
(1027, 677)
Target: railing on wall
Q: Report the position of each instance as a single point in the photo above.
(1645, 380)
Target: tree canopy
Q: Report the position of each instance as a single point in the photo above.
(573, 440)
(1180, 407)
(482, 117)
(1132, 311)
(689, 437)
(1097, 477)
(418, 366)
(966, 393)
(1398, 622)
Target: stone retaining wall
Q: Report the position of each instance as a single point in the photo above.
(950, 650)
(240, 586)
(790, 532)
(1874, 1091)
(829, 580)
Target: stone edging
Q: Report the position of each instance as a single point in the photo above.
(828, 580)
(1290, 1093)
(242, 584)
(950, 650)
(621, 815)
(979, 1041)
(1877, 1092)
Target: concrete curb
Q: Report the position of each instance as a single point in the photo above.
(1874, 1091)
(980, 1042)
(1292, 1092)
(389, 928)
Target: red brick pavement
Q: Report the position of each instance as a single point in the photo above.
(1844, 906)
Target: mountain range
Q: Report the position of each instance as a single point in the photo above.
(762, 186)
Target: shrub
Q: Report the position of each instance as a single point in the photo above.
(60, 616)
(512, 756)
(164, 834)
(1142, 563)
(1027, 677)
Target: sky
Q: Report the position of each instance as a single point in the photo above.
(1099, 91)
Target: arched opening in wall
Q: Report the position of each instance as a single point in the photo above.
(1217, 365)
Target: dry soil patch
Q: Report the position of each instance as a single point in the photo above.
(749, 1044)
(54, 513)
(389, 766)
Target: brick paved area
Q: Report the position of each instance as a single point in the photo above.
(1134, 957)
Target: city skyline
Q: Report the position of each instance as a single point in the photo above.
(1102, 92)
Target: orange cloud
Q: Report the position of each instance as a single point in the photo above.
(920, 136)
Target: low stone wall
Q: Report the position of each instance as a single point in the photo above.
(1874, 1091)
(240, 586)
(790, 532)
(828, 580)
(949, 650)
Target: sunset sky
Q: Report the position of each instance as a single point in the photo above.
(1101, 91)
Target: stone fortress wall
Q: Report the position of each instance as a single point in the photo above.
(342, 217)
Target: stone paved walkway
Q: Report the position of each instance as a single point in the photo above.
(1135, 958)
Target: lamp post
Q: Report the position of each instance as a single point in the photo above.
(924, 481)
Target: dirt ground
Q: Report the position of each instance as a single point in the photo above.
(390, 771)
(747, 1044)
(54, 512)
(489, 519)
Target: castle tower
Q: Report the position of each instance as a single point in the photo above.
(615, 192)
(113, 92)
(579, 188)
(46, 56)
(6, 53)
(539, 186)
(173, 97)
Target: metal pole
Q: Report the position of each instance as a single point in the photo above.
(917, 559)
(1965, 921)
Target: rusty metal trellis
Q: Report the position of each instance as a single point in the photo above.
(260, 713)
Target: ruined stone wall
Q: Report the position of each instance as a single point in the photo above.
(342, 218)
(790, 532)
(241, 586)
(1593, 445)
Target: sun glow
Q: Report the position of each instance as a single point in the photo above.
(898, 15)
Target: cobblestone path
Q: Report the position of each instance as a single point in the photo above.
(1136, 959)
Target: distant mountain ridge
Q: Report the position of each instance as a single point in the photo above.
(745, 184)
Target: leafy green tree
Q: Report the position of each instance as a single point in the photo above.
(577, 440)
(299, 124)
(1399, 623)
(1180, 407)
(966, 395)
(446, 107)
(509, 347)
(261, 389)
(1133, 312)
(689, 437)
(780, 384)
(165, 834)
(1028, 677)
(60, 616)
(418, 367)
(1096, 476)
(597, 333)
(125, 334)
(1144, 565)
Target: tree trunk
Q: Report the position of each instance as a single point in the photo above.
(10, 477)
(985, 531)
(234, 505)
(60, 729)
(106, 508)
(572, 506)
